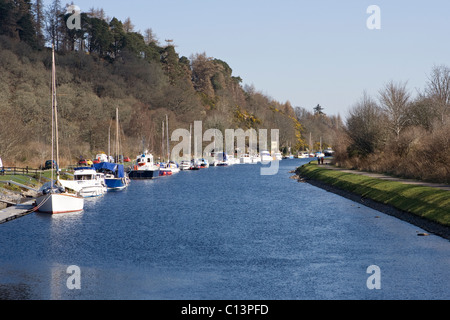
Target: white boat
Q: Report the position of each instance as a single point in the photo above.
(245, 159)
(144, 168)
(87, 181)
(256, 159)
(278, 156)
(185, 165)
(174, 167)
(319, 155)
(265, 156)
(101, 157)
(303, 155)
(55, 200)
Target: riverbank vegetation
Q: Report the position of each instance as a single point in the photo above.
(397, 134)
(426, 202)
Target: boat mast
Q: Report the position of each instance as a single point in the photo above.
(56, 119)
(167, 131)
(190, 142)
(117, 136)
(53, 113)
(162, 142)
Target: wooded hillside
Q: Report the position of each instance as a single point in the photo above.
(107, 65)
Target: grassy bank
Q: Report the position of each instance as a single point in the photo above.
(426, 202)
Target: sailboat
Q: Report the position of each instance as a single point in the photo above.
(115, 176)
(55, 198)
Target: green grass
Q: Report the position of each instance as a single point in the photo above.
(426, 202)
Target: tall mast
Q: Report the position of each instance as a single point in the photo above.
(117, 135)
(53, 111)
(162, 142)
(167, 131)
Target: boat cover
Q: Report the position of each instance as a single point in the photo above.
(118, 169)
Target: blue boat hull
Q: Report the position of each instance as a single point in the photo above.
(115, 183)
(143, 174)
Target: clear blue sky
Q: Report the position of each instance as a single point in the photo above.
(307, 52)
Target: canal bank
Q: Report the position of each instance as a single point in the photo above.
(419, 204)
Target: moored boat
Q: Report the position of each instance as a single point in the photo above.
(185, 165)
(265, 157)
(245, 159)
(115, 176)
(58, 200)
(144, 168)
(88, 182)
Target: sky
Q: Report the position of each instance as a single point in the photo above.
(304, 52)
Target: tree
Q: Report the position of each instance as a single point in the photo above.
(55, 23)
(16, 21)
(365, 127)
(395, 103)
(150, 37)
(100, 38)
(318, 110)
(128, 26)
(25, 24)
(438, 89)
(39, 21)
(116, 29)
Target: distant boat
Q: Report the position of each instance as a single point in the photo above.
(256, 159)
(319, 155)
(195, 164)
(265, 156)
(245, 159)
(164, 169)
(172, 165)
(278, 156)
(185, 165)
(224, 161)
(88, 182)
(56, 199)
(204, 163)
(144, 168)
(328, 152)
(303, 155)
(115, 176)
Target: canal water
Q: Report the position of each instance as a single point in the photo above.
(221, 233)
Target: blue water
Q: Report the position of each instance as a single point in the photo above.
(221, 233)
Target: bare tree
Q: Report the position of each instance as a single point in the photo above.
(55, 23)
(150, 37)
(128, 26)
(365, 127)
(438, 89)
(395, 102)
